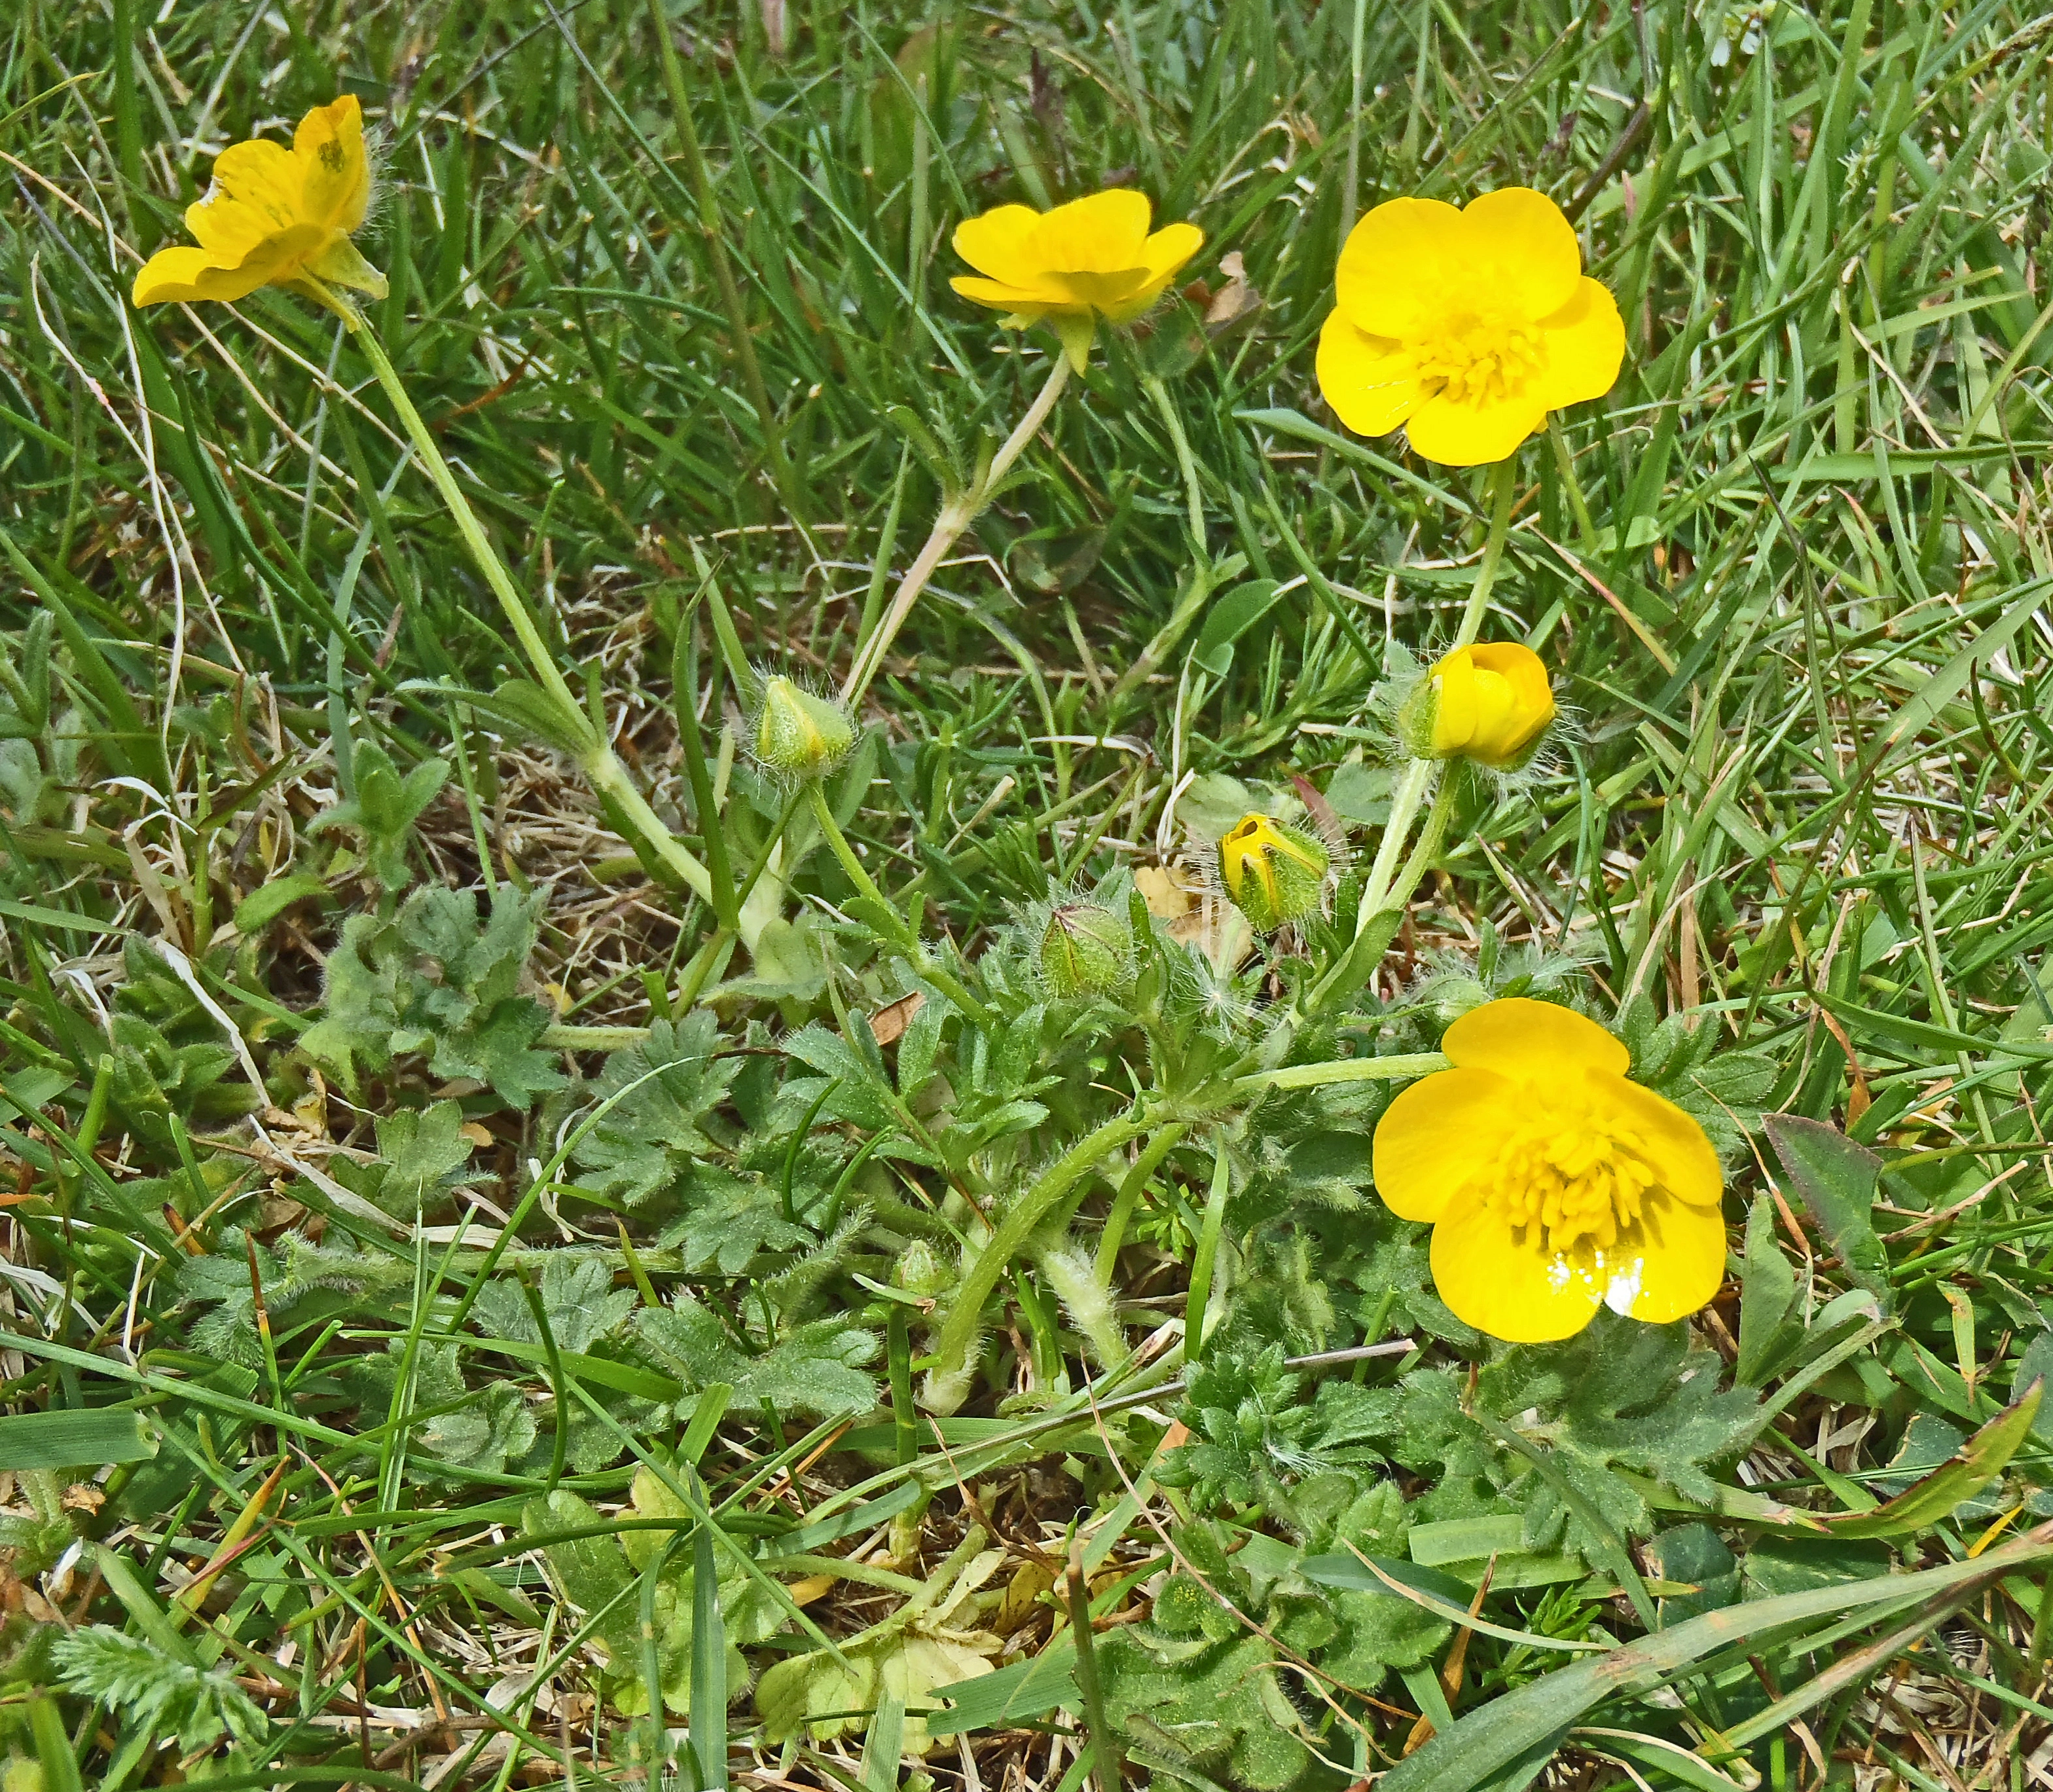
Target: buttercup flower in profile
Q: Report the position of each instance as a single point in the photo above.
(1465, 326)
(276, 217)
(1093, 258)
(1490, 702)
(1553, 1185)
(1274, 872)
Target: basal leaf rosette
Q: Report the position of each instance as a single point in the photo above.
(1554, 1184)
(1464, 327)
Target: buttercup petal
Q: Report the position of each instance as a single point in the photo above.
(171, 277)
(1522, 670)
(1679, 1266)
(255, 191)
(1676, 1145)
(1170, 247)
(1438, 1136)
(335, 172)
(1507, 1284)
(1457, 702)
(1367, 379)
(1100, 291)
(1530, 1041)
(1523, 252)
(1456, 433)
(1102, 233)
(1404, 265)
(1027, 301)
(1141, 302)
(995, 243)
(1585, 344)
(277, 258)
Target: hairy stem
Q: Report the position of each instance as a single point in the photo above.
(595, 755)
(956, 515)
(959, 1331)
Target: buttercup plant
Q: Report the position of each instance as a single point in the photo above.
(1491, 703)
(284, 218)
(1466, 327)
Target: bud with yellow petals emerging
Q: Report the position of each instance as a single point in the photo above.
(798, 735)
(1490, 702)
(1274, 873)
(1085, 950)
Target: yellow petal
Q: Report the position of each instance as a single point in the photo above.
(1676, 1146)
(1457, 702)
(255, 192)
(172, 276)
(1166, 252)
(1530, 1041)
(1025, 301)
(335, 174)
(197, 272)
(1367, 379)
(1585, 346)
(1523, 252)
(1437, 1137)
(1170, 247)
(1533, 692)
(1100, 291)
(1515, 1290)
(995, 243)
(1679, 1266)
(1403, 266)
(1102, 233)
(1460, 433)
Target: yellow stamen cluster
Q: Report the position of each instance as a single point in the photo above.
(1577, 1181)
(1478, 361)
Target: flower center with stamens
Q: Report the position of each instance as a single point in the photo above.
(1477, 360)
(1581, 1182)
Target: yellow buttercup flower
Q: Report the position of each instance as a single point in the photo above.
(1490, 702)
(1554, 1186)
(1093, 258)
(276, 217)
(1467, 327)
(1273, 872)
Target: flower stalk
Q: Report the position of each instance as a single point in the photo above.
(881, 909)
(593, 753)
(957, 514)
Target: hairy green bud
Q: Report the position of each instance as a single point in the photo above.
(1085, 950)
(798, 735)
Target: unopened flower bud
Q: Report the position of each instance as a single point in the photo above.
(798, 734)
(920, 1272)
(1490, 702)
(1274, 873)
(1085, 951)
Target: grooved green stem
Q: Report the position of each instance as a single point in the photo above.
(1503, 485)
(905, 935)
(595, 755)
(957, 515)
(959, 1329)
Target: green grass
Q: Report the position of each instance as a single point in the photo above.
(553, 1324)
